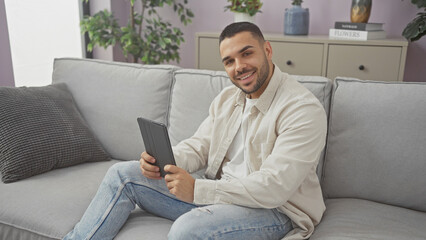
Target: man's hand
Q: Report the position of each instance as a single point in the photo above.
(148, 169)
(180, 183)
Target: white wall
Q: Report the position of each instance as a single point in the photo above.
(40, 31)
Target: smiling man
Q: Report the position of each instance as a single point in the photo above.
(260, 146)
(249, 68)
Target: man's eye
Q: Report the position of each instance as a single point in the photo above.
(229, 62)
(246, 53)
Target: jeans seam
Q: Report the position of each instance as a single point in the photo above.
(108, 210)
(114, 202)
(218, 233)
(276, 226)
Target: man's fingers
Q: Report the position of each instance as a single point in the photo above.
(148, 169)
(152, 175)
(148, 157)
(171, 168)
(170, 184)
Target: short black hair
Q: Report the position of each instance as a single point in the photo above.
(238, 27)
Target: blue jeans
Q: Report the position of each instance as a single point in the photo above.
(124, 186)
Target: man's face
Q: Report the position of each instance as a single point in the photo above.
(247, 62)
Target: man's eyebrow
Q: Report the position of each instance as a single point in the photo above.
(242, 50)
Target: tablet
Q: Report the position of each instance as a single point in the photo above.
(157, 143)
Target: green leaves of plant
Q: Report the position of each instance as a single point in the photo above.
(103, 29)
(419, 3)
(244, 6)
(416, 28)
(297, 2)
(146, 36)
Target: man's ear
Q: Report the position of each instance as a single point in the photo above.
(268, 49)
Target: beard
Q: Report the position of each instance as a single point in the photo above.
(262, 74)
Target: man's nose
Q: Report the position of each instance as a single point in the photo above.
(239, 66)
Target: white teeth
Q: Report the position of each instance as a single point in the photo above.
(246, 76)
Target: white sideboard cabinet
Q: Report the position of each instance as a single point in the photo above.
(382, 60)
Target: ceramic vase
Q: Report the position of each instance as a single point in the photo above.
(360, 11)
(296, 20)
(243, 17)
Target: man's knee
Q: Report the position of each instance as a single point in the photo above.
(192, 225)
(122, 170)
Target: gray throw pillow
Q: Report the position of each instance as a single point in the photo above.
(40, 130)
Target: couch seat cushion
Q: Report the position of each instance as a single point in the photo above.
(143, 225)
(47, 206)
(347, 219)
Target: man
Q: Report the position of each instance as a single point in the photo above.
(261, 143)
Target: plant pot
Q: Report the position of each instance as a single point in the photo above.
(360, 11)
(296, 21)
(243, 17)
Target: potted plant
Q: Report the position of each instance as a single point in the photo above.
(296, 19)
(146, 37)
(416, 29)
(244, 10)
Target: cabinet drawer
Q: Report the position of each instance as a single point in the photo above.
(298, 58)
(364, 62)
(208, 54)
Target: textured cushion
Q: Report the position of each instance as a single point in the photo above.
(192, 94)
(111, 96)
(376, 143)
(40, 130)
(49, 205)
(354, 219)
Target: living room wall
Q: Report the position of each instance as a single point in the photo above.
(210, 17)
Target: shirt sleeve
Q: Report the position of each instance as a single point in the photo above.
(294, 155)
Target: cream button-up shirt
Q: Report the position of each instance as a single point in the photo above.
(288, 126)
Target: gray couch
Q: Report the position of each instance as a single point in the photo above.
(372, 171)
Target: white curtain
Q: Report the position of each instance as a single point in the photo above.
(40, 31)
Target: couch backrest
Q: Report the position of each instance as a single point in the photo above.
(112, 95)
(192, 94)
(376, 146)
(194, 90)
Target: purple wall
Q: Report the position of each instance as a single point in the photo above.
(209, 16)
(6, 70)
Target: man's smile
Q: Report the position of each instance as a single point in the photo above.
(246, 77)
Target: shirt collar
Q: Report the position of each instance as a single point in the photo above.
(265, 100)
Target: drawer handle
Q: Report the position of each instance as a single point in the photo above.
(361, 67)
(289, 62)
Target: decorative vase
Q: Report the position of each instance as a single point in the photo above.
(296, 20)
(243, 17)
(360, 11)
